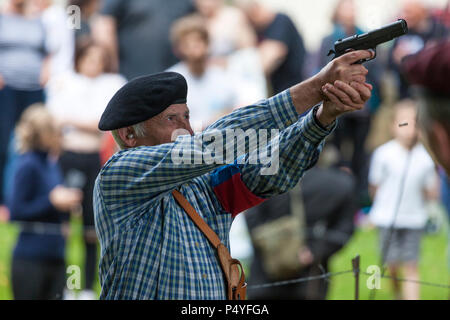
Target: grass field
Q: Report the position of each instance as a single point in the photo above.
(433, 267)
(433, 264)
(8, 234)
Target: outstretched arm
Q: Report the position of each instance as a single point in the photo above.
(146, 172)
(281, 112)
(257, 176)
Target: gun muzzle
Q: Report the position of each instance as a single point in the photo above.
(370, 40)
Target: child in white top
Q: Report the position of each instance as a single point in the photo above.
(402, 177)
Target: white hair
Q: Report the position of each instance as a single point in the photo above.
(139, 131)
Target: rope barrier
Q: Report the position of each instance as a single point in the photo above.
(305, 279)
(327, 276)
(423, 283)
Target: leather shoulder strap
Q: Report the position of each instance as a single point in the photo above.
(199, 222)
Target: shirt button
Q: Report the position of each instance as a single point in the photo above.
(288, 123)
(204, 276)
(197, 244)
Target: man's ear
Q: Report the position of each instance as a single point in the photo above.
(128, 136)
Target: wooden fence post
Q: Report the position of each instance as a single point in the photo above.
(355, 265)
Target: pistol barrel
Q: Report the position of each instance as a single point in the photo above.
(370, 40)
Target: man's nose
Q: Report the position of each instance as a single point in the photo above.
(185, 125)
(189, 128)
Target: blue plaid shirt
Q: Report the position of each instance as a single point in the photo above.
(150, 249)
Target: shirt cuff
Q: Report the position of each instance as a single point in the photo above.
(313, 131)
(328, 127)
(283, 110)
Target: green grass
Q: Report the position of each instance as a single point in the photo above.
(433, 264)
(433, 268)
(8, 234)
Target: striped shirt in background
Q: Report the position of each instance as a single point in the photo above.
(22, 51)
(150, 249)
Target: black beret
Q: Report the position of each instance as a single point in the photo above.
(430, 67)
(143, 98)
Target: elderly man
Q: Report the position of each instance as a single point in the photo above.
(150, 249)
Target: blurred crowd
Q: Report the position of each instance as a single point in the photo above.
(60, 64)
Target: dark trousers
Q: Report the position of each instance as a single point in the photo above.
(12, 103)
(354, 129)
(80, 171)
(38, 280)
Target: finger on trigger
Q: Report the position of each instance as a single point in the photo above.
(355, 56)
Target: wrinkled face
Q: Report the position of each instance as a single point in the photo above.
(92, 64)
(407, 135)
(166, 126)
(193, 47)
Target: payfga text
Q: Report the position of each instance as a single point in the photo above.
(246, 309)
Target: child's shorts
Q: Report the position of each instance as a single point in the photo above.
(402, 245)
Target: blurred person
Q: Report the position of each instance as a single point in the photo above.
(238, 33)
(354, 127)
(233, 48)
(38, 203)
(327, 227)
(77, 100)
(279, 43)
(445, 199)
(211, 93)
(402, 179)
(429, 70)
(59, 37)
(23, 65)
(88, 8)
(443, 16)
(445, 191)
(137, 33)
(422, 28)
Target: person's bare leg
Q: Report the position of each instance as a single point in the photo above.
(411, 290)
(4, 214)
(393, 270)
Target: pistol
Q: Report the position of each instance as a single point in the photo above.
(370, 40)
